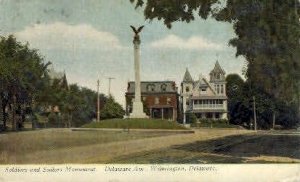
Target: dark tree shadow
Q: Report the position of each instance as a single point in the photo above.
(248, 146)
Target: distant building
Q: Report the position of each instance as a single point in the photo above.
(59, 77)
(160, 99)
(206, 99)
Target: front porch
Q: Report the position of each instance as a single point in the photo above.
(161, 112)
(211, 115)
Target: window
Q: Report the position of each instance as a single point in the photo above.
(187, 89)
(222, 89)
(168, 100)
(209, 115)
(150, 87)
(163, 87)
(218, 89)
(156, 101)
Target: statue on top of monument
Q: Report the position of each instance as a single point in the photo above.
(137, 31)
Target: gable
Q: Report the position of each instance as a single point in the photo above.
(203, 87)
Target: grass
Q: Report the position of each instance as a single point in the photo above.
(135, 124)
(214, 124)
(14, 145)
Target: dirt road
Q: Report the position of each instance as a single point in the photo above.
(103, 153)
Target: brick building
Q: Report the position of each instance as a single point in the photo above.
(160, 99)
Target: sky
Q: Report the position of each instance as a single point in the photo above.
(91, 39)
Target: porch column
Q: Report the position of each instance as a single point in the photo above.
(162, 113)
(173, 114)
(213, 116)
(150, 112)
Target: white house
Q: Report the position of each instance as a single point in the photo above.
(206, 99)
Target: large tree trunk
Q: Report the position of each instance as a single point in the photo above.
(274, 118)
(14, 119)
(2, 114)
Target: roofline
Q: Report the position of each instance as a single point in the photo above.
(153, 82)
(152, 93)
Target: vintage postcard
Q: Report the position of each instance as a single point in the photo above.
(149, 90)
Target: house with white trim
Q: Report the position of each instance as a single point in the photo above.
(205, 98)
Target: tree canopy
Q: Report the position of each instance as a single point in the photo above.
(22, 76)
(26, 88)
(267, 35)
(112, 109)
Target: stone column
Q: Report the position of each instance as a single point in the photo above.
(137, 106)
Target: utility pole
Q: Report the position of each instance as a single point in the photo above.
(109, 83)
(254, 113)
(98, 101)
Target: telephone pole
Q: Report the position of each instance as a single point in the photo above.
(254, 113)
(98, 101)
(109, 83)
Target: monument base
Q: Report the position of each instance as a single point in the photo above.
(137, 110)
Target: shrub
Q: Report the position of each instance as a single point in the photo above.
(191, 118)
(53, 120)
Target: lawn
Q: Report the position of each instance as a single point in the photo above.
(214, 124)
(14, 145)
(135, 124)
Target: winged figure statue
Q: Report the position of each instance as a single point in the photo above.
(137, 31)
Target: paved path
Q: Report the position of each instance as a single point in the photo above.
(102, 153)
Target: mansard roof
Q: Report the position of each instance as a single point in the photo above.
(154, 87)
(187, 76)
(217, 69)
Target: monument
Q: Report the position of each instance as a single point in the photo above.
(137, 105)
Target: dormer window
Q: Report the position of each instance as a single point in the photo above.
(150, 87)
(163, 87)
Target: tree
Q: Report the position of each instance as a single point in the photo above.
(81, 105)
(238, 103)
(77, 105)
(112, 109)
(268, 34)
(22, 75)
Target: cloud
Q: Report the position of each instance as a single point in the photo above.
(60, 35)
(193, 43)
